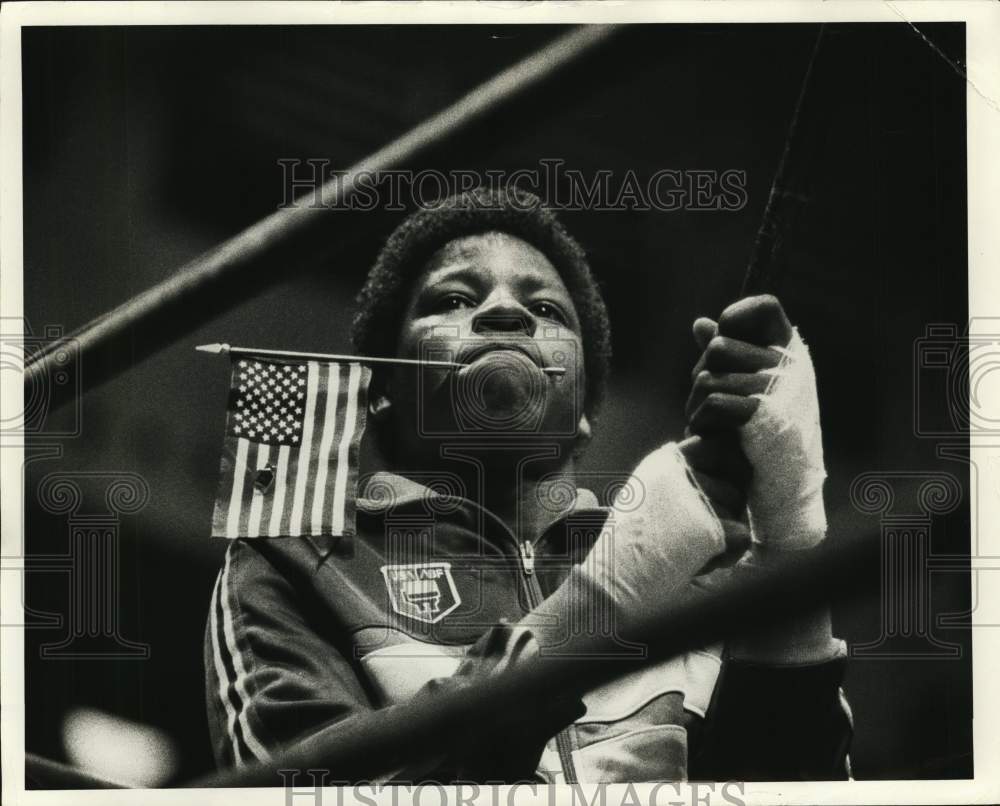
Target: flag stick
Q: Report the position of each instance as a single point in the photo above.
(226, 349)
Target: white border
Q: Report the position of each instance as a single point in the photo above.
(983, 109)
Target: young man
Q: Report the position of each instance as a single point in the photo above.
(474, 549)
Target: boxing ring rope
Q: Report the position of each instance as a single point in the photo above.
(373, 745)
(789, 187)
(236, 269)
(369, 747)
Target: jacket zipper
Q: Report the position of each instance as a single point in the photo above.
(528, 560)
(526, 551)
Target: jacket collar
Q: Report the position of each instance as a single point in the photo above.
(383, 491)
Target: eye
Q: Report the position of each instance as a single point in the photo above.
(454, 302)
(544, 309)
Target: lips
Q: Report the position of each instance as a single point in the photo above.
(474, 351)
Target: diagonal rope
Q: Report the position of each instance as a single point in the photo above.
(783, 203)
(371, 745)
(227, 274)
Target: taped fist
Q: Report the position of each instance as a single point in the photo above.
(755, 379)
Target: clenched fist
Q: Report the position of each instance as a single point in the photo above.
(753, 404)
(754, 416)
(734, 364)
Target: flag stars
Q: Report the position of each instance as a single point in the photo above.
(269, 402)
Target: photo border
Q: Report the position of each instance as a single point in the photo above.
(982, 72)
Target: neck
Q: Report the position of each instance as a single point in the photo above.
(524, 486)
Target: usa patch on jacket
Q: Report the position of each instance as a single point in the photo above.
(422, 591)
(290, 456)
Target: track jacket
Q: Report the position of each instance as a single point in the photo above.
(306, 632)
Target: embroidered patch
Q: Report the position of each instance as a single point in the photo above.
(423, 591)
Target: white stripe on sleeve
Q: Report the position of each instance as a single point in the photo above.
(221, 676)
(241, 674)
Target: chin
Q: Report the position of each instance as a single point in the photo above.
(496, 400)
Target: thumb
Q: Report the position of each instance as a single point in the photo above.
(704, 330)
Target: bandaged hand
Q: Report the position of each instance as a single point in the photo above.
(784, 444)
(755, 379)
(756, 376)
(663, 530)
(660, 533)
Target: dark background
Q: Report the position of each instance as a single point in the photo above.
(144, 147)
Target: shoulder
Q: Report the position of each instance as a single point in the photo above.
(264, 573)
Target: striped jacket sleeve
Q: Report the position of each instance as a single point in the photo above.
(272, 678)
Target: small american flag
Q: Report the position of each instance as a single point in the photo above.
(290, 456)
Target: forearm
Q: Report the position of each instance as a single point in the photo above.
(775, 723)
(648, 552)
(799, 639)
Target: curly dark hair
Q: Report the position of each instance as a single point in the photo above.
(382, 300)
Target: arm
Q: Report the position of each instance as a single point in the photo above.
(273, 680)
(775, 722)
(778, 711)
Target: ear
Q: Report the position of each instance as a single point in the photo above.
(583, 433)
(379, 407)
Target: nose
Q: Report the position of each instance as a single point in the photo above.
(506, 316)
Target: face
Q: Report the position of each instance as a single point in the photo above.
(497, 305)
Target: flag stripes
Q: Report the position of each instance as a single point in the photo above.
(280, 487)
(295, 526)
(310, 483)
(319, 489)
(343, 456)
(236, 496)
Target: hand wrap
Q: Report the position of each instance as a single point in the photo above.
(784, 443)
(662, 531)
